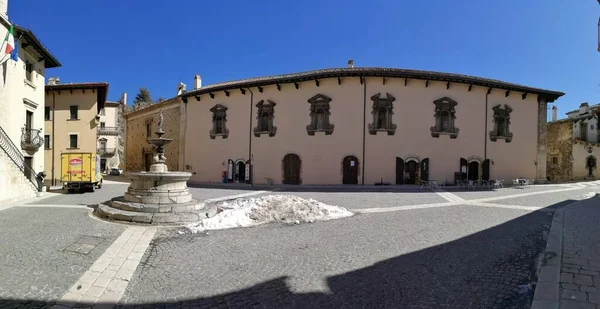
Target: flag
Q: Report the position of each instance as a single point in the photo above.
(10, 41)
(14, 55)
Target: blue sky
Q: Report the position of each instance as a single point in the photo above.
(542, 43)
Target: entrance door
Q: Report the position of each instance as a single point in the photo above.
(485, 170)
(350, 170)
(240, 171)
(425, 169)
(411, 170)
(291, 169)
(102, 164)
(463, 168)
(473, 170)
(147, 161)
(399, 171)
(591, 164)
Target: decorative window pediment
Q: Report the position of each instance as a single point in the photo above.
(383, 109)
(219, 122)
(265, 115)
(501, 124)
(445, 114)
(319, 115)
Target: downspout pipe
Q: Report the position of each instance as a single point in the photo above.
(364, 129)
(52, 136)
(251, 169)
(486, 125)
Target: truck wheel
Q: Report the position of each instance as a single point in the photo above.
(93, 187)
(100, 185)
(70, 190)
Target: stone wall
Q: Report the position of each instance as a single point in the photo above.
(559, 146)
(136, 146)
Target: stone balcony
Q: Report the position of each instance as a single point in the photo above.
(106, 152)
(31, 139)
(109, 130)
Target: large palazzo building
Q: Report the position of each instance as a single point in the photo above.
(364, 126)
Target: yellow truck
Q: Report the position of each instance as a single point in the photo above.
(80, 170)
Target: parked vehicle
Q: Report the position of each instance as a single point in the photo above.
(115, 171)
(80, 170)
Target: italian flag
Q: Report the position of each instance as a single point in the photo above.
(10, 41)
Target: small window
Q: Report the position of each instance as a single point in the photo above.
(591, 127)
(102, 112)
(46, 141)
(148, 130)
(73, 141)
(47, 113)
(554, 160)
(29, 71)
(103, 124)
(74, 112)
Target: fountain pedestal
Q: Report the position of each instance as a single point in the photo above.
(157, 196)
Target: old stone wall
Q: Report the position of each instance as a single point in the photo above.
(559, 151)
(136, 145)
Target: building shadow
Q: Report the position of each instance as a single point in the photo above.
(493, 268)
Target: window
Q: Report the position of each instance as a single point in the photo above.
(74, 109)
(102, 144)
(73, 141)
(103, 125)
(29, 71)
(501, 124)
(148, 129)
(591, 127)
(265, 115)
(382, 114)
(47, 113)
(102, 112)
(554, 160)
(319, 115)
(219, 121)
(583, 130)
(445, 114)
(46, 141)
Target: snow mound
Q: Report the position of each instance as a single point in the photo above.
(589, 195)
(246, 212)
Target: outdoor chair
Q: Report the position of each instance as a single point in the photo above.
(424, 184)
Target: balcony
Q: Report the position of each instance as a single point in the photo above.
(31, 140)
(106, 152)
(108, 130)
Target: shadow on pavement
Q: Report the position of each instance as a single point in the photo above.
(487, 269)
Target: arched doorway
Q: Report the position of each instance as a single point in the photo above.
(240, 171)
(350, 170)
(411, 171)
(291, 169)
(591, 165)
(473, 170)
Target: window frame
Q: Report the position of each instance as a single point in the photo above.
(320, 104)
(76, 141)
(219, 111)
(386, 106)
(47, 142)
(71, 112)
(442, 106)
(47, 113)
(501, 115)
(268, 109)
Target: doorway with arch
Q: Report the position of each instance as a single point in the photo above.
(350, 170)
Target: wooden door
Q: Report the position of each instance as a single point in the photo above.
(485, 170)
(350, 170)
(291, 169)
(399, 171)
(411, 169)
(425, 169)
(240, 171)
(473, 170)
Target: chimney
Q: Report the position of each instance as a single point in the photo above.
(350, 63)
(197, 81)
(180, 89)
(56, 80)
(554, 113)
(4, 8)
(583, 108)
(124, 98)
(50, 80)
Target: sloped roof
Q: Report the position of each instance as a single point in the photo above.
(50, 60)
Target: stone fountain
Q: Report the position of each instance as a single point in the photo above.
(157, 196)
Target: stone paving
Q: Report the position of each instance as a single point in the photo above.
(407, 256)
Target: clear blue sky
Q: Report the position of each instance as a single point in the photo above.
(542, 43)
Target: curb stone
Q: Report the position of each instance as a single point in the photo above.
(547, 290)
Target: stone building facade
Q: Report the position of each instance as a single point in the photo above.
(142, 124)
(111, 145)
(574, 145)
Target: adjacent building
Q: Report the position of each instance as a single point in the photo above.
(72, 118)
(111, 141)
(21, 110)
(141, 124)
(364, 126)
(574, 144)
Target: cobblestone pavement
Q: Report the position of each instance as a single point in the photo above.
(580, 271)
(460, 256)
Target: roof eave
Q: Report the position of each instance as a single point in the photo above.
(49, 60)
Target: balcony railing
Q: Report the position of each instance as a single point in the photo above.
(31, 139)
(108, 130)
(105, 152)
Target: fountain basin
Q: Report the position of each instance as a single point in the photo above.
(158, 188)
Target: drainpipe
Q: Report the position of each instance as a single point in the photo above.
(250, 139)
(364, 129)
(486, 125)
(52, 136)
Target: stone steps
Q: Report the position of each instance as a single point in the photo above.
(107, 212)
(14, 185)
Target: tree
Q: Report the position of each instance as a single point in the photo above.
(142, 99)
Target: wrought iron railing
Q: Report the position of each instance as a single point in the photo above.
(105, 151)
(31, 139)
(17, 158)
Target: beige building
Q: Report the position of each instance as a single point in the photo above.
(111, 143)
(143, 123)
(574, 144)
(21, 111)
(72, 121)
(363, 126)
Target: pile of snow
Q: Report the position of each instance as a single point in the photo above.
(589, 195)
(245, 212)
